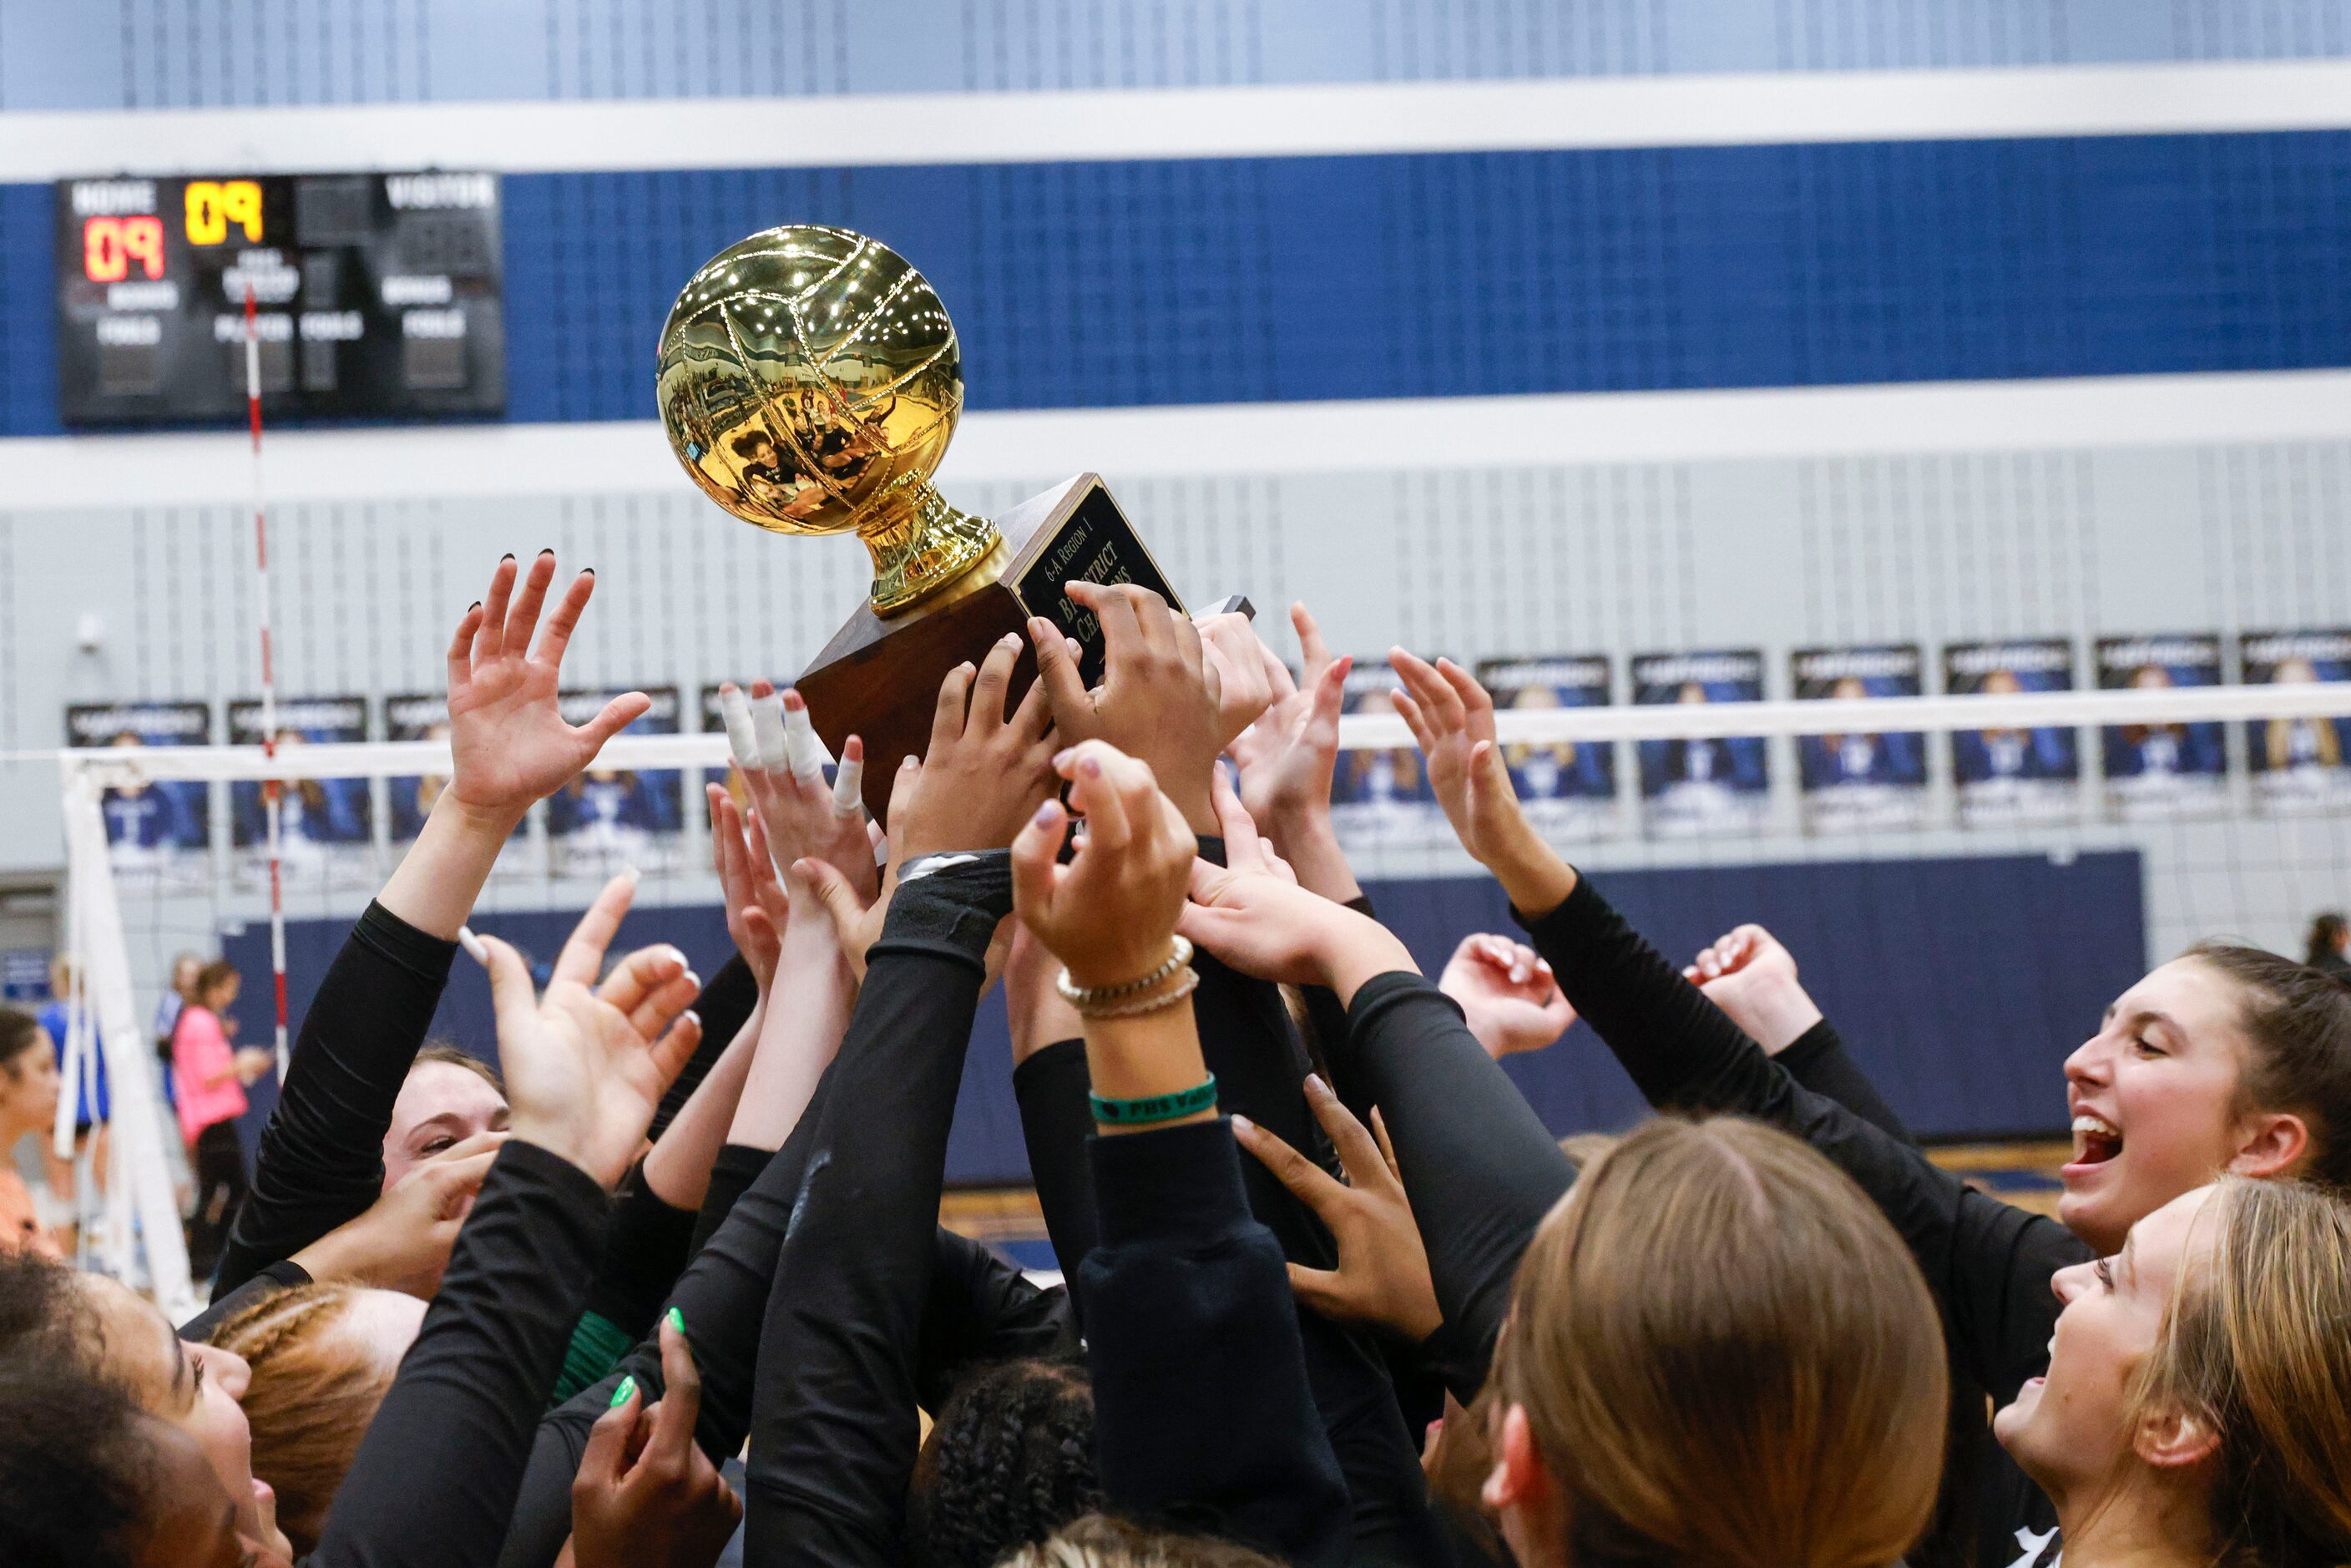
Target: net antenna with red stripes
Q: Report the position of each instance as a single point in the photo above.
(270, 787)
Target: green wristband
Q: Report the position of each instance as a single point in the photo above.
(1153, 1108)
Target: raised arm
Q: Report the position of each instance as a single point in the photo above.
(1988, 1261)
(321, 1162)
(834, 1426)
(1203, 1409)
(436, 1477)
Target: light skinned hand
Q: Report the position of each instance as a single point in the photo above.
(508, 740)
(586, 1063)
(756, 903)
(251, 1062)
(1229, 644)
(1452, 717)
(1159, 701)
(1245, 847)
(1751, 976)
(646, 1496)
(984, 773)
(402, 1242)
(1287, 757)
(800, 816)
(1273, 929)
(1508, 994)
(1110, 915)
(1383, 1274)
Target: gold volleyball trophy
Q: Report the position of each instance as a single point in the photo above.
(809, 381)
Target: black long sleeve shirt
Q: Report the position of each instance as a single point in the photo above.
(1203, 1417)
(1987, 1262)
(436, 1477)
(320, 1162)
(834, 1430)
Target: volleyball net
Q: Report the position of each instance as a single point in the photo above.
(2226, 808)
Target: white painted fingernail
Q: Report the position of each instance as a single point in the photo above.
(695, 980)
(742, 739)
(476, 949)
(849, 788)
(768, 729)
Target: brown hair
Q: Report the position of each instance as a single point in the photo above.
(210, 977)
(1099, 1541)
(458, 1056)
(2254, 1344)
(2324, 937)
(2298, 1023)
(313, 1392)
(1727, 1356)
(20, 1031)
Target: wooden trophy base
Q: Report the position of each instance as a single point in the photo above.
(878, 678)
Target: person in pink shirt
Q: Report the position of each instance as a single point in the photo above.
(212, 1077)
(28, 1104)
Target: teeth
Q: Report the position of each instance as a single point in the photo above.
(2097, 1124)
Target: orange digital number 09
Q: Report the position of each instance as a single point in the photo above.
(109, 246)
(214, 204)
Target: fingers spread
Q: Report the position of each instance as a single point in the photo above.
(1310, 1182)
(1358, 1155)
(617, 716)
(1310, 646)
(492, 641)
(461, 647)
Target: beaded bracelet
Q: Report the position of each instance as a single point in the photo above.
(1084, 997)
(1187, 980)
(1152, 1108)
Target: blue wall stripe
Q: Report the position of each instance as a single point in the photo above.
(1094, 285)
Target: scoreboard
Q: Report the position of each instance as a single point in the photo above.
(377, 297)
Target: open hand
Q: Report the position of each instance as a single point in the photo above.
(1159, 701)
(802, 814)
(756, 903)
(1507, 995)
(1749, 976)
(1452, 717)
(586, 1068)
(1288, 756)
(507, 741)
(1266, 925)
(1110, 915)
(646, 1496)
(1383, 1274)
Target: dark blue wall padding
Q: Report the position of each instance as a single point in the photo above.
(1960, 984)
(1241, 280)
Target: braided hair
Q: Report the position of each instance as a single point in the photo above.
(1009, 1460)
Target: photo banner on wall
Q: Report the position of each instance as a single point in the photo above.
(326, 827)
(2163, 770)
(159, 832)
(2013, 776)
(1569, 789)
(1702, 786)
(425, 716)
(609, 819)
(1383, 798)
(2298, 764)
(1856, 781)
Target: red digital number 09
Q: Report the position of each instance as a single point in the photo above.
(109, 246)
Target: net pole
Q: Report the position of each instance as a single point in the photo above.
(270, 788)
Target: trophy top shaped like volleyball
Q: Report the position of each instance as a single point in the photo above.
(809, 381)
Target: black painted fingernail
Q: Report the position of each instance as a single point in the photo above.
(587, 571)
(549, 551)
(506, 557)
(474, 606)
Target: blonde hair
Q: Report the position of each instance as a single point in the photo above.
(1727, 1355)
(1097, 1541)
(313, 1392)
(2256, 1344)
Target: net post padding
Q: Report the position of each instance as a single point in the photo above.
(139, 1193)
